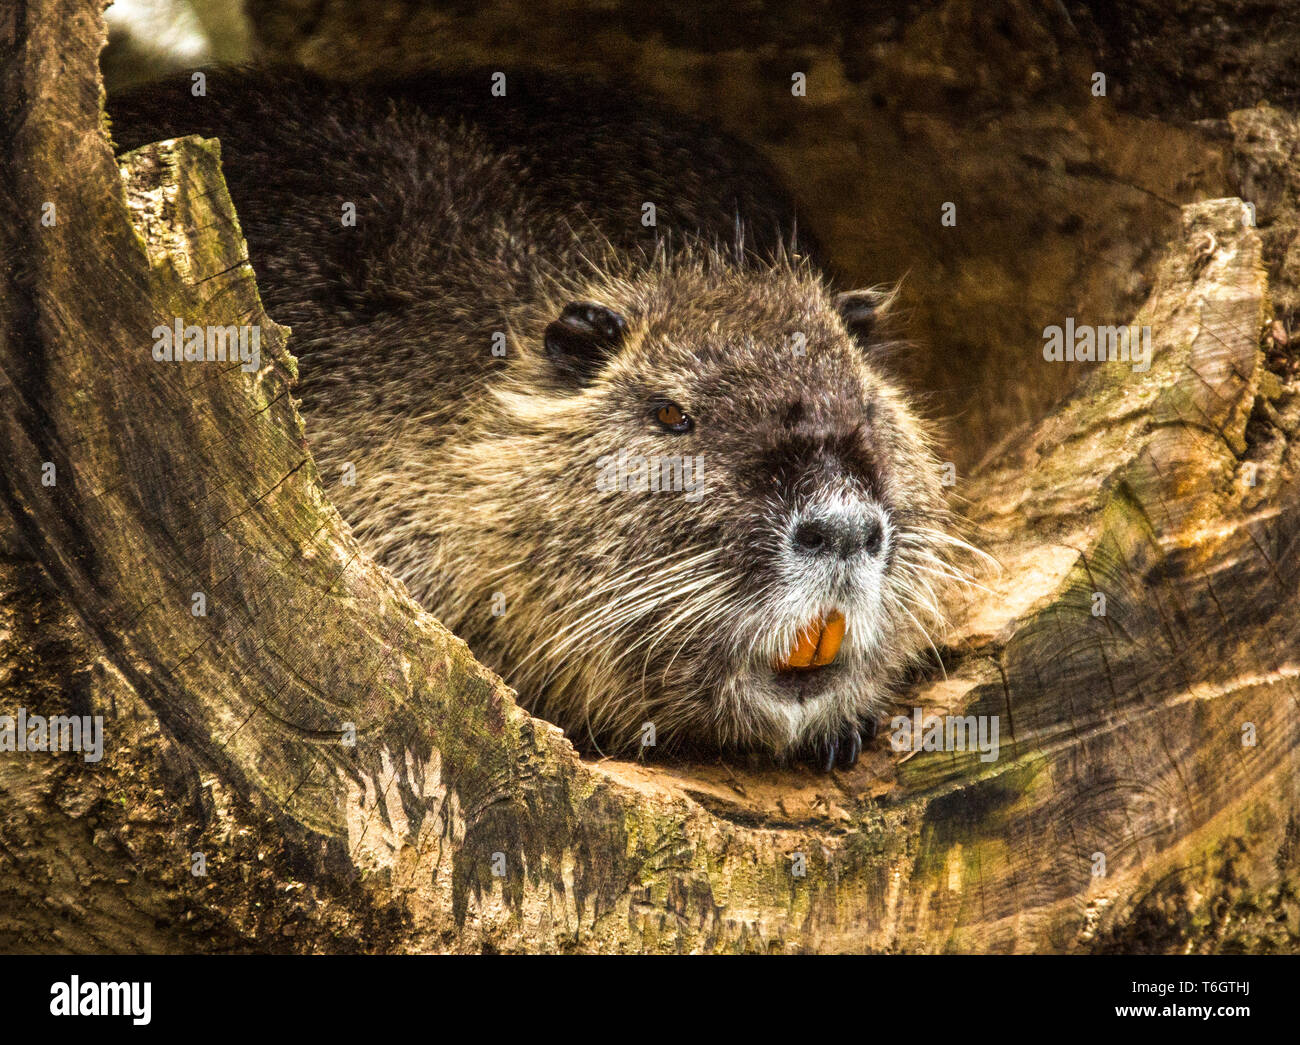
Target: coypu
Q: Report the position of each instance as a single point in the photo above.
(649, 472)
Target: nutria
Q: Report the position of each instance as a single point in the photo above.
(643, 463)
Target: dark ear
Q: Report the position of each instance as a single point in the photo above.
(583, 338)
(863, 311)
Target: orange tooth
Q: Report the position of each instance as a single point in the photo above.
(817, 645)
(805, 648)
(829, 643)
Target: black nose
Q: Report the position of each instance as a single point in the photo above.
(840, 535)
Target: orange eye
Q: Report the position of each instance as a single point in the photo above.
(671, 416)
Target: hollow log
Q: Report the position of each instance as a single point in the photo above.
(297, 757)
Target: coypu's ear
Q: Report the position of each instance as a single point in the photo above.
(585, 335)
(863, 310)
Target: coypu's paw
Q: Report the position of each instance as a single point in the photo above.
(843, 750)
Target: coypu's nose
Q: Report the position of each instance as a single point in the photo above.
(840, 535)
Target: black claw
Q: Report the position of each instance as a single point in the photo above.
(870, 727)
(829, 753)
(851, 749)
(844, 750)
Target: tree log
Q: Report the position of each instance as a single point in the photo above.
(1128, 808)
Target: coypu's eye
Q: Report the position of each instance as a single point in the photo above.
(673, 419)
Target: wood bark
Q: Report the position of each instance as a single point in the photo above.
(456, 822)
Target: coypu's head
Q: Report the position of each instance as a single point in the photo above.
(701, 507)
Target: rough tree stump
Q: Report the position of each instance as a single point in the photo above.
(1172, 493)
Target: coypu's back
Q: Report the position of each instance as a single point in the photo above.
(466, 205)
(587, 153)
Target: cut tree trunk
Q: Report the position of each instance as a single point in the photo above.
(345, 775)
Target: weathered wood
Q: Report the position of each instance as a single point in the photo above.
(1122, 734)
